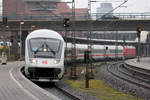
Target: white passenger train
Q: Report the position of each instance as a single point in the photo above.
(44, 56)
(101, 52)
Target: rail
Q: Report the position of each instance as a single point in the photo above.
(133, 77)
(67, 93)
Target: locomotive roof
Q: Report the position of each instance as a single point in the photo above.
(85, 46)
(104, 47)
(44, 33)
(130, 47)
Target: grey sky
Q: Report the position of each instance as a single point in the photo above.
(132, 5)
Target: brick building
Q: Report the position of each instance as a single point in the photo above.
(23, 8)
(20, 9)
(13, 8)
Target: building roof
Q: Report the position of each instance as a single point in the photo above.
(15, 8)
(64, 9)
(81, 10)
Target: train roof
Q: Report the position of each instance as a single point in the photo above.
(85, 46)
(98, 47)
(104, 47)
(81, 46)
(129, 47)
(45, 33)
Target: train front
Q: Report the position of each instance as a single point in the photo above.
(44, 57)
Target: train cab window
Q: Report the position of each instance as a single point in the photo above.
(45, 46)
(52, 44)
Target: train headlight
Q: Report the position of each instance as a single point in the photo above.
(56, 61)
(33, 61)
(44, 49)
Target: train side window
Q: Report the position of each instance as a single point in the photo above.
(68, 51)
(112, 51)
(80, 51)
(97, 51)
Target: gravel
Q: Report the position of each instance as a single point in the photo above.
(74, 91)
(122, 85)
(52, 89)
(58, 93)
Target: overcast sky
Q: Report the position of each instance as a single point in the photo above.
(132, 5)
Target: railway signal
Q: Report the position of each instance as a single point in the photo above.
(66, 22)
(87, 59)
(138, 31)
(4, 21)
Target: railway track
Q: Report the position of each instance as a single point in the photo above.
(57, 91)
(131, 75)
(73, 97)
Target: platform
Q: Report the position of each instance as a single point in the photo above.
(14, 86)
(143, 64)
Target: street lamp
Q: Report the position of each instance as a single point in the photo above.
(21, 23)
(138, 31)
(124, 43)
(7, 27)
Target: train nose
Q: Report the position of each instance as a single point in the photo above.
(45, 72)
(57, 70)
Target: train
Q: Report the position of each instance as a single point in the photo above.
(100, 52)
(44, 56)
(46, 52)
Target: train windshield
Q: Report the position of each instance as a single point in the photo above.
(44, 47)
